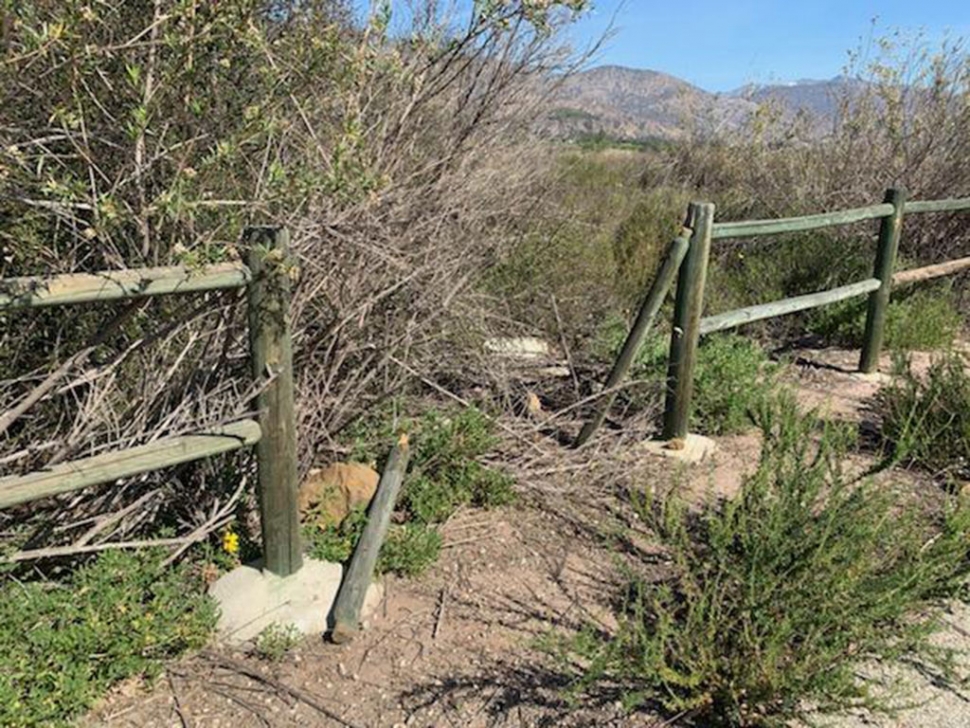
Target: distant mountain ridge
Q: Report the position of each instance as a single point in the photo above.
(637, 104)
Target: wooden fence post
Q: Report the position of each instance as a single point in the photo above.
(889, 234)
(688, 307)
(648, 312)
(271, 351)
(360, 570)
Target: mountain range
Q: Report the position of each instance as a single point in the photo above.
(637, 104)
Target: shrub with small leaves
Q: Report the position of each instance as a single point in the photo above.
(445, 474)
(732, 379)
(63, 645)
(926, 420)
(770, 601)
(276, 640)
(409, 550)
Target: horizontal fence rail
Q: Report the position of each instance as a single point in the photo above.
(929, 272)
(952, 205)
(37, 291)
(111, 466)
(752, 228)
(741, 316)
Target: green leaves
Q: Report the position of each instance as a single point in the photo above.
(771, 600)
(63, 644)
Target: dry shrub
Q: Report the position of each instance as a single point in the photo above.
(901, 119)
(146, 132)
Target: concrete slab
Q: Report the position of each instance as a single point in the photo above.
(251, 599)
(692, 449)
(879, 378)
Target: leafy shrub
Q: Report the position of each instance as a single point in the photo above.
(276, 640)
(444, 472)
(62, 645)
(409, 549)
(772, 599)
(732, 378)
(335, 542)
(926, 421)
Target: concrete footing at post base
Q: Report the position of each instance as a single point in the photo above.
(691, 449)
(250, 600)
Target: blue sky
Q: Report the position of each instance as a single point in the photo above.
(720, 45)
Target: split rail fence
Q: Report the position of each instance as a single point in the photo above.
(274, 434)
(687, 261)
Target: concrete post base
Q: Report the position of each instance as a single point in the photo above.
(695, 448)
(251, 599)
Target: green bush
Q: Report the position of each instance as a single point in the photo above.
(444, 473)
(410, 549)
(62, 645)
(335, 542)
(926, 421)
(771, 600)
(732, 378)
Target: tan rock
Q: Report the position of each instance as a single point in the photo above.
(330, 493)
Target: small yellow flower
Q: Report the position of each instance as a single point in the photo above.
(230, 542)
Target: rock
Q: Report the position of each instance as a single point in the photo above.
(332, 492)
(521, 347)
(533, 406)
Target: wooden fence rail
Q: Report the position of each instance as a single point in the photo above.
(266, 278)
(689, 325)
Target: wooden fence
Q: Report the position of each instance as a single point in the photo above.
(689, 255)
(266, 278)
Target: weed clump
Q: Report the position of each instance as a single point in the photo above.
(276, 640)
(771, 600)
(62, 645)
(926, 421)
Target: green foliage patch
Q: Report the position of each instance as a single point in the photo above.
(276, 640)
(926, 420)
(771, 600)
(62, 645)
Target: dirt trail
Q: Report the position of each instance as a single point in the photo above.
(464, 645)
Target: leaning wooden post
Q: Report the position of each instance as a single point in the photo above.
(353, 588)
(648, 312)
(688, 307)
(889, 234)
(271, 351)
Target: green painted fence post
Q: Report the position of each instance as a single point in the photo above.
(271, 351)
(648, 312)
(889, 233)
(688, 307)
